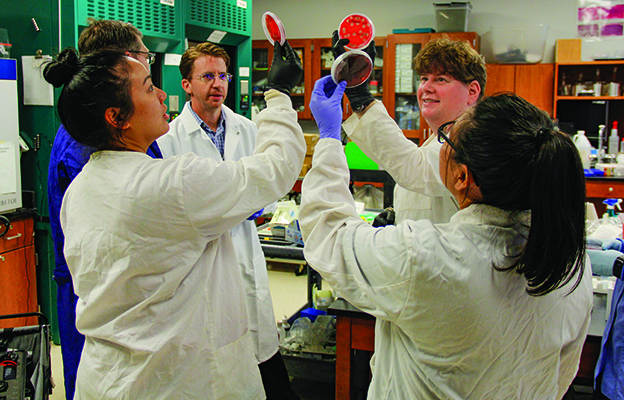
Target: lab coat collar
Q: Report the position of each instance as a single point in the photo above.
(489, 215)
(232, 128)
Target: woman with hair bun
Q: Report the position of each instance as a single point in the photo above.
(147, 242)
(494, 304)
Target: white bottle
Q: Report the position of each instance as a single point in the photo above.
(281, 333)
(614, 139)
(583, 146)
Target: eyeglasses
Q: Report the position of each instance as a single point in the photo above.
(209, 77)
(443, 132)
(151, 57)
(443, 136)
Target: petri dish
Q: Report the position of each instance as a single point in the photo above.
(273, 28)
(359, 29)
(354, 66)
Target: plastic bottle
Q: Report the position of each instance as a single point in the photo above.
(281, 333)
(614, 139)
(583, 146)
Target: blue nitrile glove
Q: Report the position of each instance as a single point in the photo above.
(256, 215)
(326, 106)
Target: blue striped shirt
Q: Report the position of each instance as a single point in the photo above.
(218, 137)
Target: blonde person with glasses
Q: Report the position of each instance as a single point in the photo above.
(496, 303)
(210, 129)
(452, 79)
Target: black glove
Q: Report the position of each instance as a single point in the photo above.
(386, 217)
(359, 96)
(286, 70)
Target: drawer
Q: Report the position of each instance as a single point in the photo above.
(605, 189)
(18, 286)
(20, 234)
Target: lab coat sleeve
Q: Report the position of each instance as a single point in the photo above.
(219, 196)
(379, 137)
(367, 266)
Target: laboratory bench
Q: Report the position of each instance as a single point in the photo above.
(355, 344)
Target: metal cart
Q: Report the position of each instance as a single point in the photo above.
(25, 360)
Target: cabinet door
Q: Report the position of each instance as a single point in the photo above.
(18, 286)
(262, 57)
(534, 82)
(500, 78)
(401, 82)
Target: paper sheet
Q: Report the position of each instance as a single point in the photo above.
(37, 92)
(8, 183)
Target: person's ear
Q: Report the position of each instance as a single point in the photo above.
(474, 90)
(112, 117)
(462, 178)
(186, 85)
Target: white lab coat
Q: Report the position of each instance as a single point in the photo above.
(186, 136)
(147, 244)
(419, 193)
(449, 326)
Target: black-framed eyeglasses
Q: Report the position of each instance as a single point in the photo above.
(443, 136)
(209, 77)
(151, 57)
(443, 132)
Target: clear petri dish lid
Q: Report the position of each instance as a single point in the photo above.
(359, 29)
(354, 66)
(273, 28)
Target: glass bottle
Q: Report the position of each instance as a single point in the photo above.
(597, 84)
(579, 85)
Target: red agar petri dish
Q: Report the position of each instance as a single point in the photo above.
(273, 28)
(359, 29)
(354, 66)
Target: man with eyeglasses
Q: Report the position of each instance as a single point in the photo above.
(67, 159)
(210, 129)
(452, 79)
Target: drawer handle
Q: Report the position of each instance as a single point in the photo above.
(610, 189)
(19, 235)
(1, 258)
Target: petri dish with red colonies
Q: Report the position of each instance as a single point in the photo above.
(359, 29)
(273, 28)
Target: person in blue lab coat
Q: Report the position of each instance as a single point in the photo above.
(66, 161)
(609, 373)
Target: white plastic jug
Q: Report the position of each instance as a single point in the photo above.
(583, 146)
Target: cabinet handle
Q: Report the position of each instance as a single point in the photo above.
(1, 258)
(610, 189)
(19, 235)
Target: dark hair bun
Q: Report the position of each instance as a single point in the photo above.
(60, 72)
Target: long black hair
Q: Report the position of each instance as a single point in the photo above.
(92, 84)
(523, 163)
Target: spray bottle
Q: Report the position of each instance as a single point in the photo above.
(611, 204)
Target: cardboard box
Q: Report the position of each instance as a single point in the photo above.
(568, 50)
(311, 140)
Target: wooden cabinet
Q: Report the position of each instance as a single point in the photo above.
(401, 81)
(262, 56)
(533, 82)
(577, 105)
(18, 282)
